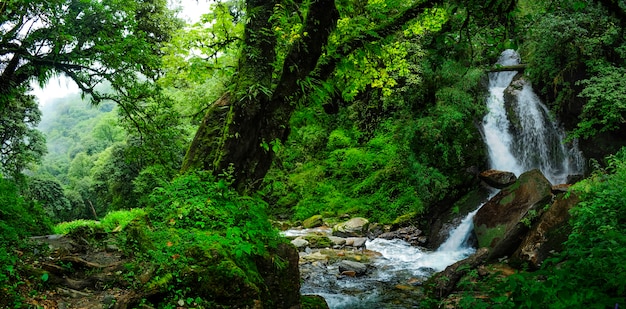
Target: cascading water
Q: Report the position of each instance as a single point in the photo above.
(519, 132)
(520, 135)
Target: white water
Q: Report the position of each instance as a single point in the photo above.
(535, 141)
(532, 139)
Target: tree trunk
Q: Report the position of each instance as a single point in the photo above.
(239, 127)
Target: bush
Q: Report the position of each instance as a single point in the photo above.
(199, 240)
(19, 218)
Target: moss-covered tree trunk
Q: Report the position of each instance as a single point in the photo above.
(240, 125)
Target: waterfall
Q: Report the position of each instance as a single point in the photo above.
(520, 135)
(519, 131)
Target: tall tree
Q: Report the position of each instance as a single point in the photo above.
(239, 128)
(89, 41)
(20, 142)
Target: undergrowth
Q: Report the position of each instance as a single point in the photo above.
(200, 241)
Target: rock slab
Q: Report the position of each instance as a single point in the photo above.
(501, 223)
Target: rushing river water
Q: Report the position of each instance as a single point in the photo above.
(534, 140)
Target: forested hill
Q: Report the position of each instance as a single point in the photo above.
(271, 112)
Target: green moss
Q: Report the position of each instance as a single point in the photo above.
(313, 221)
(487, 236)
(313, 302)
(508, 199)
(318, 241)
(404, 220)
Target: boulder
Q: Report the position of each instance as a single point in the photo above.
(300, 243)
(442, 284)
(497, 179)
(501, 223)
(357, 242)
(572, 179)
(318, 241)
(314, 302)
(410, 234)
(548, 234)
(355, 227)
(337, 241)
(560, 188)
(313, 221)
(351, 266)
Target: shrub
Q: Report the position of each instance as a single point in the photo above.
(19, 218)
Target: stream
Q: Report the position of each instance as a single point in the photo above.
(395, 274)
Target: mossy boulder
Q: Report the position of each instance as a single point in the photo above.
(501, 223)
(548, 234)
(313, 221)
(281, 283)
(319, 241)
(355, 227)
(216, 277)
(404, 220)
(313, 302)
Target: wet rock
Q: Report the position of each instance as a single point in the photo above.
(312, 222)
(409, 234)
(300, 243)
(572, 179)
(561, 188)
(547, 235)
(443, 283)
(357, 242)
(313, 257)
(501, 223)
(318, 241)
(337, 241)
(446, 219)
(497, 179)
(376, 229)
(358, 268)
(355, 227)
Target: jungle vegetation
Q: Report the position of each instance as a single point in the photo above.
(285, 109)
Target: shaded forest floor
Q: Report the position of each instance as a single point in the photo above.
(77, 271)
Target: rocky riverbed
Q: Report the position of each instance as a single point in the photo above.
(367, 266)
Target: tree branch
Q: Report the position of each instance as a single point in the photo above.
(348, 47)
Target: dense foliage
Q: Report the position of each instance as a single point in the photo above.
(301, 108)
(203, 242)
(21, 145)
(577, 49)
(19, 218)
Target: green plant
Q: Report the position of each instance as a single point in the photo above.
(199, 241)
